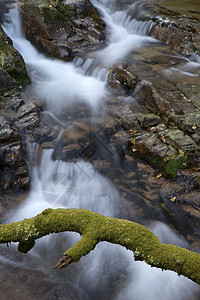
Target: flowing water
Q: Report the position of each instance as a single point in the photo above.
(108, 272)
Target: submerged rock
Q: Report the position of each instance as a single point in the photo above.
(62, 29)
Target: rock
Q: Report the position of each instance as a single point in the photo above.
(26, 277)
(189, 122)
(6, 132)
(62, 29)
(14, 174)
(12, 67)
(179, 140)
(27, 117)
(152, 99)
(180, 32)
(120, 78)
(12, 162)
(6, 81)
(174, 35)
(183, 196)
(18, 123)
(139, 120)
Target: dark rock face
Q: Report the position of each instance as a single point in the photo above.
(62, 30)
(14, 173)
(12, 67)
(163, 121)
(22, 135)
(181, 34)
(177, 25)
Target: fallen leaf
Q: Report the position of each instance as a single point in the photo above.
(173, 199)
(133, 141)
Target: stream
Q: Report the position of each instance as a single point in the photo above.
(76, 93)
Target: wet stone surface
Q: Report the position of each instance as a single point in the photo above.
(62, 29)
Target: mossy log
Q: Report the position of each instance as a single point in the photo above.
(96, 228)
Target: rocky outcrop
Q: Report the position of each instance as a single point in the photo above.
(23, 134)
(62, 29)
(162, 120)
(179, 31)
(13, 171)
(181, 34)
(12, 68)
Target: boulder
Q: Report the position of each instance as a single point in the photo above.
(62, 29)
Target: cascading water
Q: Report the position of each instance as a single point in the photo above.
(109, 272)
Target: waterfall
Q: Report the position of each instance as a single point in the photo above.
(78, 184)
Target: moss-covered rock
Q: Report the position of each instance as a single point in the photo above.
(12, 67)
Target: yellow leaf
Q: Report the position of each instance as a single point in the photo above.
(173, 199)
(159, 175)
(133, 141)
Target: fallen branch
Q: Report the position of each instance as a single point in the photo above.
(96, 228)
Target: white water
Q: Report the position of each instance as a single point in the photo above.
(56, 83)
(97, 270)
(79, 183)
(59, 84)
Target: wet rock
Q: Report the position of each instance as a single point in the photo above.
(14, 174)
(180, 140)
(6, 132)
(180, 33)
(28, 281)
(12, 161)
(120, 78)
(152, 99)
(183, 195)
(12, 66)
(168, 150)
(27, 117)
(19, 123)
(189, 122)
(140, 120)
(62, 29)
(6, 81)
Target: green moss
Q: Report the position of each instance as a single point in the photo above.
(173, 165)
(11, 61)
(95, 228)
(64, 10)
(170, 166)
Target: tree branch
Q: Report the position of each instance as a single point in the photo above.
(96, 228)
